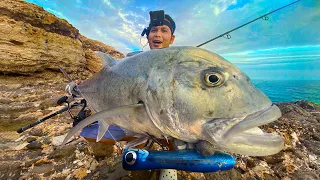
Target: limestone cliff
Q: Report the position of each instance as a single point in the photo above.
(33, 43)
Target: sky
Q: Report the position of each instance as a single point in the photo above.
(284, 47)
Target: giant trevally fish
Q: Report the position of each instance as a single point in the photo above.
(185, 93)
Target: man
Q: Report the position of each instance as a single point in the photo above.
(160, 32)
(161, 36)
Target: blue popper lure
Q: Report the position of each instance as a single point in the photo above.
(186, 160)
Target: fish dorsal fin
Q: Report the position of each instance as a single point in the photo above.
(106, 59)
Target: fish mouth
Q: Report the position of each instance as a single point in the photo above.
(246, 138)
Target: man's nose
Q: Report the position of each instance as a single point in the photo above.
(157, 34)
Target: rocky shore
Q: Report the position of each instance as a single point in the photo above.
(37, 153)
(34, 42)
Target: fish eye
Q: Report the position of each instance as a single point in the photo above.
(213, 79)
(131, 157)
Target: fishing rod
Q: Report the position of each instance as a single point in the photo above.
(63, 99)
(264, 17)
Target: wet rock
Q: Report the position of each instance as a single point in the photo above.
(308, 106)
(62, 151)
(36, 132)
(9, 169)
(277, 158)
(31, 116)
(100, 149)
(30, 162)
(30, 139)
(191, 175)
(43, 169)
(43, 166)
(82, 146)
(251, 163)
(313, 146)
(316, 136)
(299, 154)
(270, 177)
(80, 173)
(7, 166)
(32, 176)
(59, 176)
(46, 140)
(34, 145)
(224, 175)
(305, 175)
(5, 101)
(91, 164)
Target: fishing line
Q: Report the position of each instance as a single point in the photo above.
(264, 17)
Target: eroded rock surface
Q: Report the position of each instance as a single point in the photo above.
(33, 44)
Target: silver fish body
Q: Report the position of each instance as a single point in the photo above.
(187, 93)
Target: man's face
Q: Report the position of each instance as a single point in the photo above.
(160, 37)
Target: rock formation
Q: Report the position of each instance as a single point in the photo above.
(34, 42)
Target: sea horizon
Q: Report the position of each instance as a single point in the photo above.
(281, 90)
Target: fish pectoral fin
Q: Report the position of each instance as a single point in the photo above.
(118, 111)
(138, 141)
(103, 127)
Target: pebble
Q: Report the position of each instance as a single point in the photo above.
(36, 132)
(34, 145)
(30, 139)
(46, 140)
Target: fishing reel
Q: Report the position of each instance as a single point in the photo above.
(83, 113)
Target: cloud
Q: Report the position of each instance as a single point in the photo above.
(239, 4)
(108, 3)
(120, 23)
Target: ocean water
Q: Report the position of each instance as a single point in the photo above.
(290, 90)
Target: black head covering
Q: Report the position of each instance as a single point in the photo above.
(167, 21)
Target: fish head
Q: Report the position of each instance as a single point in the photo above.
(204, 97)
